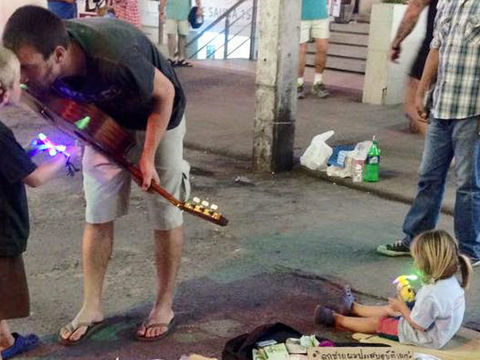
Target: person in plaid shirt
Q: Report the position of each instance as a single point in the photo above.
(453, 72)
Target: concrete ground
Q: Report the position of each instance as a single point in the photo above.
(292, 238)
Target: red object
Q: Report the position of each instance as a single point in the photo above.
(388, 326)
(128, 10)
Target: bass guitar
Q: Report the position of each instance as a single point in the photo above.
(89, 124)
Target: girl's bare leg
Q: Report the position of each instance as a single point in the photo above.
(367, 311)
(366, 325)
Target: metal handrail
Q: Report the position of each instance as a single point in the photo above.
(223, 45)
(220, 18)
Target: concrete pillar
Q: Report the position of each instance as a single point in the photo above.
(276, 92)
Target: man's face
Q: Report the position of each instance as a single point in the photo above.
(35, 70)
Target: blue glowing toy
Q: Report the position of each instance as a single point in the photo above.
(43, 144)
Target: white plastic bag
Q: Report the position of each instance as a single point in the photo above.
(318, 152)
(361, 150)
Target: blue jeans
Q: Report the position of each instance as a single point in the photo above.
(446, 139)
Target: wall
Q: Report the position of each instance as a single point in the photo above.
(7, 7)
(385, 81)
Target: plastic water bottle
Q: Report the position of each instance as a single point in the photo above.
(357, 172)
(372, 164)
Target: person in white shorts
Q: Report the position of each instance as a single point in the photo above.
(314, 25)
(177, 25)
(144, 96)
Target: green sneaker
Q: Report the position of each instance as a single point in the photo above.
(300, 92)
(320, 90)
(395, 249)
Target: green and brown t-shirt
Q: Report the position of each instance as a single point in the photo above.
(121, 63)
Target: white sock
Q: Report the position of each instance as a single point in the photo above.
(300, 81)
(318, 78)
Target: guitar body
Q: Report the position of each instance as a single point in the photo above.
(91, 125)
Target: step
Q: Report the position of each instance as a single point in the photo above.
(348, 38)
(344, 50)
(359, 28)
(340, 63)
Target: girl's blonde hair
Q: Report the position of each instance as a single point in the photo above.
(437, 255)
(9, 68)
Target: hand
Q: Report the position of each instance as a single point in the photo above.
(199, 11)
(420, 104)
(394, 53)
(162, 18)
(75, 153)
(397, 305)
(149, 173)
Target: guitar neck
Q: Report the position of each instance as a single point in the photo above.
(193, 209)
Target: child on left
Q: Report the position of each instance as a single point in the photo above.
(16, 170)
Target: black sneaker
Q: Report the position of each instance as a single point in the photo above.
(395, 249)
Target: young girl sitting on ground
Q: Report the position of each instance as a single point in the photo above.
(439, 306)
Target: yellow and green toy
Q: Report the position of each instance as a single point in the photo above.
(405, 289)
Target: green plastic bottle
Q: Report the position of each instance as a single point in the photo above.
(372, 164)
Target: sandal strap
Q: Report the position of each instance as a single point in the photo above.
(70, 327)
(154, 325)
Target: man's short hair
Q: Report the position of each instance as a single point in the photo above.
(9, 68)
(37, 27)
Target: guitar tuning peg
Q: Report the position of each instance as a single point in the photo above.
(196, 200)
(213, 207)
(205, 203)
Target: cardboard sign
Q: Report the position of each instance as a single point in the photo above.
(359, 353)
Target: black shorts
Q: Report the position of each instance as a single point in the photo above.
(15, 302)
(419, 63)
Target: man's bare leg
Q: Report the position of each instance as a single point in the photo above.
(321, 47)
(302, 59)
(416, 123)
(168, 253)
(318, 88)
(96, 250)
(6, 338)
(171, 42)
(182, 42)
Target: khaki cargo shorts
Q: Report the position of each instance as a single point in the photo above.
(314, 29)
(107, 186)
(181, 27)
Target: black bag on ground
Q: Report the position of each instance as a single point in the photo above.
(240, 347)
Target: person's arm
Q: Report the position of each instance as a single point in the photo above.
(161, 9)
(199, 6)
(163, 96)
(429, 77)
(45, 171)
(409, 20)
(399, 306)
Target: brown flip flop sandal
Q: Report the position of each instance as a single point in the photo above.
(170, 327)
(92, 327)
